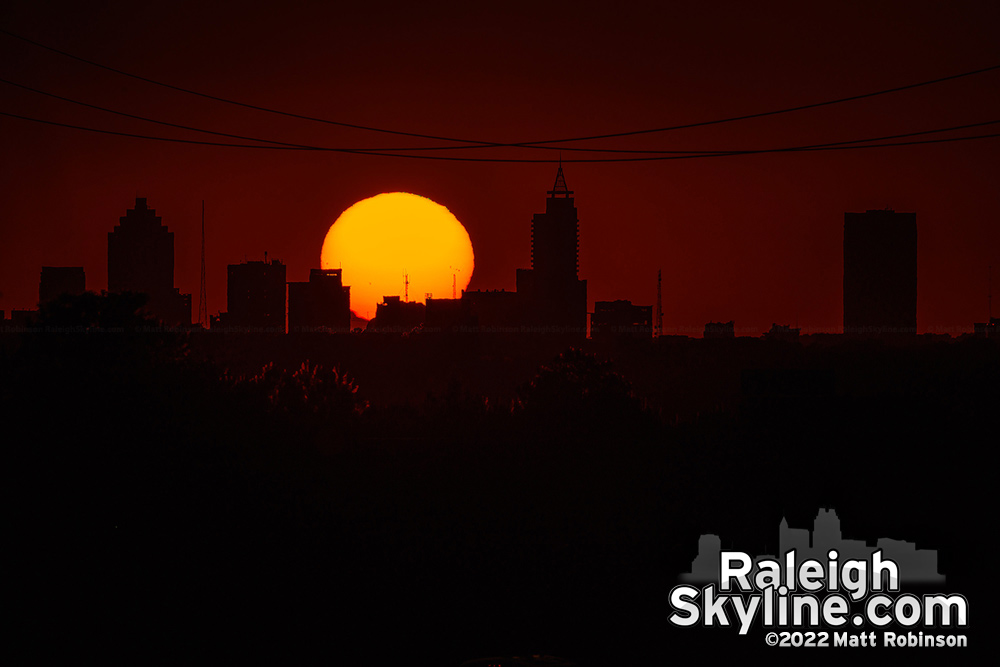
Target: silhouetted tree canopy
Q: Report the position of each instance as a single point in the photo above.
(215, 509)
(104, 311)
(578, 385)
(315, 391)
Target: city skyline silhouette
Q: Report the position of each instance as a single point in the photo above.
(729, 263)
(734, 236)
(880, 287)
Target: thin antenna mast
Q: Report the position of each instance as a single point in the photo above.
(659, 303)
(203, 295)
(454, 286)
(406, 286)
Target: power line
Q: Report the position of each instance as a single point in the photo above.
(843, 145)
(775, 112)
(142, 118)
(525, 144)
(304, 146)
(431, 148)
(169, 139)
(235, 102)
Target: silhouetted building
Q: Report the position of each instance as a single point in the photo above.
(552, 297)
(58, 280)
(620, 318)
(255, 296)
(989, 329)
(323, 303)
(720, 329)
(497, 311)
(782, 332)
(141, 259)
(880, 273)
(22, 318)
(448, 316)
(396, 316)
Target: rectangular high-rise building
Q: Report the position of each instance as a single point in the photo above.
(552, 296)
(880, 273)
(255, 295)
(322, 304)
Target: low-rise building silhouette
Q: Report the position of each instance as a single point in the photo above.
(449, 316)
(394, 315)
(990, 330)
(783, 332)
(321, 304)
(720, 330)
(22, 318)
(621, 319)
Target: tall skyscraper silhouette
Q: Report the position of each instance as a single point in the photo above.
(141, 259)
(880, 273)
(552, 295)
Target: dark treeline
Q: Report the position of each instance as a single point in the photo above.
(407, 501)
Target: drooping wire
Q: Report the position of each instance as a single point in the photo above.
(525, 144)
(843, 145)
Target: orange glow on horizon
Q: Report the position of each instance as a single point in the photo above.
(378, 240)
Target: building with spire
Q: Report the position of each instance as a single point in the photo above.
(141, 259)
(551, 295)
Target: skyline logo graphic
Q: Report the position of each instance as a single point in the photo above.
(820, 583)
(920, 565)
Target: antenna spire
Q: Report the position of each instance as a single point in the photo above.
(659, 303)
(560, 189)
(203, 295)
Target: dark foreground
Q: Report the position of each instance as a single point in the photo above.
(436, 502)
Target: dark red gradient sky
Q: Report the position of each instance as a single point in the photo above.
(757, 239)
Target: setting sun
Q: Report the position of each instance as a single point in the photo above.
(385, 240)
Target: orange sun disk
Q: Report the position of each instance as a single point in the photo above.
(384, 240)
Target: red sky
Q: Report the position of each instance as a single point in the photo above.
(756, 239)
